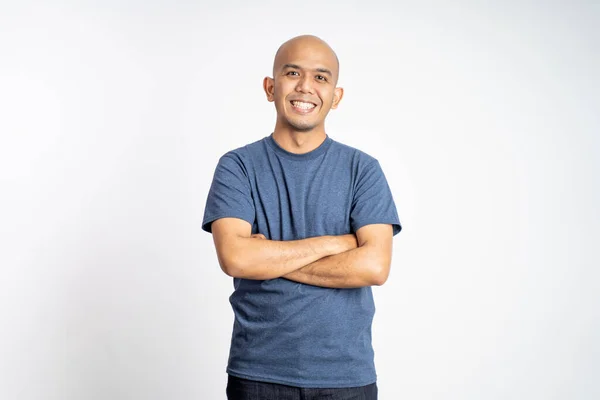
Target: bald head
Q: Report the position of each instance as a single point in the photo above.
(304, 85)
(306, 46)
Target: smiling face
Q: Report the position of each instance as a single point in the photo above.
(303, 88)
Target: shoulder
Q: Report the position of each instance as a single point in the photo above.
(242, 155)
(358, 157)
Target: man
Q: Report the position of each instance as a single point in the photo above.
(304, 225)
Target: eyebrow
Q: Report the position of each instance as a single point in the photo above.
(295, 66)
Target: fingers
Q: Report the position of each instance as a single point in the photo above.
(258, 236)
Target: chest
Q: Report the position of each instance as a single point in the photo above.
(299, 200)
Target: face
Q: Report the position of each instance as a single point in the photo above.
(303, 85)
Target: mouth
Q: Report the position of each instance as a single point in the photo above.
(302, 107)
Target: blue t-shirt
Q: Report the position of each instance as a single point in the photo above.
(287, 332)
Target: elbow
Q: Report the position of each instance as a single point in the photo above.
(235, 271)
(380, 275)
(378, 280)
(231, 267)
(241, 268)
(229, 270)
(377, 262)
(231, 259)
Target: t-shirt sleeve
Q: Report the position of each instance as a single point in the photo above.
(230, 194)
(373, 202)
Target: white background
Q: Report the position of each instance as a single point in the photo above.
(484, 116)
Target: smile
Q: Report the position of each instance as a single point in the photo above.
(302, 107)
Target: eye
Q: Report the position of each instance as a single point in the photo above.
(292, 72)
(321, 78)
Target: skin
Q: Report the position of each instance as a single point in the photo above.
(368, 264)
(306, 69)
(243, 255)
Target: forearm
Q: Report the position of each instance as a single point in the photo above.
(354, 268)
(255, 258)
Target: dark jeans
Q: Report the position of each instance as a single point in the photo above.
(243, 389)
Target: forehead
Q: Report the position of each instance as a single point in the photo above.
(306, 54)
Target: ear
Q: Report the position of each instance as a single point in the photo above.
(338, 93)
(269, 87)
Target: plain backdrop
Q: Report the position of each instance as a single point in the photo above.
(484, 116)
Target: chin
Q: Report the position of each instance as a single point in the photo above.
(302, 126)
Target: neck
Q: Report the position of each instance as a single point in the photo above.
(299, 142)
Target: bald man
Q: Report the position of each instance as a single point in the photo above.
(304, 225)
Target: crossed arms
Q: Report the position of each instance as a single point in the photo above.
(345, 261)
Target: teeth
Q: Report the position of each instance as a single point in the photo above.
(303, 105)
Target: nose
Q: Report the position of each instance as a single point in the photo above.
(304, 85)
